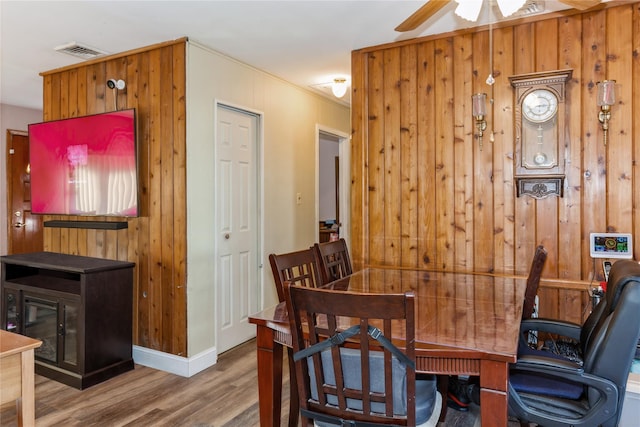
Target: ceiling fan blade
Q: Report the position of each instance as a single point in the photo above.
(421, 15)
(581, 4)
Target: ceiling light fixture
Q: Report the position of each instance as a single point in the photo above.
(470, 9)
(339, 87)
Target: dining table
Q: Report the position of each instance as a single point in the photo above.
(466, 324)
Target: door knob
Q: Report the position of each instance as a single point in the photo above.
(226, 236)
(18, 215)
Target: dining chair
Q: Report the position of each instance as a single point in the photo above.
(552, 391)
(349, 372)
(333, 260)
(461, 393)
(295, 267)
(298, 266)
(533, 281)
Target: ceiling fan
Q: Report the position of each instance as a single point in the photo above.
(470, 9)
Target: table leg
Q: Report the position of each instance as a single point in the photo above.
(269, 355)
(494, 399)
(26, 404)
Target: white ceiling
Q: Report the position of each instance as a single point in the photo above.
(305, 42)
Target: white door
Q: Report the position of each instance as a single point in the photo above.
(238, 290)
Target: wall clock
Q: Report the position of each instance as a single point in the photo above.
(540, 127)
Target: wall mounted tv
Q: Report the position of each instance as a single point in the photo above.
(85, 166)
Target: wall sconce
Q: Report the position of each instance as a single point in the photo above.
(606, 98)
(479, 111)
(339, 87)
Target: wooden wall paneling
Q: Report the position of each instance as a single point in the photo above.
(570, 40)
(179, 225)
(524, 206)
(482, 193)
(635, 91)
(155, 197)
(619, 146)
(463, 143)
(409, 156)
(444, 154)
(547, 208)
(359, 183)
(133, 229)
(426, 110)
(376, 236)
(392, 155)
(81, 91)
(594, 152)
(502, 114)
(143, 95)
(155, 79)
(546, 218)
(572, 303)
(166, 201)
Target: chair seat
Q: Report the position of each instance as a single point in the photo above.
(546, 385)
(426, 401)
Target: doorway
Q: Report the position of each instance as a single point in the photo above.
(24, 230)
(237, 225)
(332, 189)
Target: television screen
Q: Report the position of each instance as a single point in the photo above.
(85, 165)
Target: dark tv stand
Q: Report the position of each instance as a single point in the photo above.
(80, 307)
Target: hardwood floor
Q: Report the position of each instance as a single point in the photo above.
(225, 395)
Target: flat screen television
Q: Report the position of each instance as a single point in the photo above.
(85, 166)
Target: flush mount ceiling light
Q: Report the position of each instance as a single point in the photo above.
(470, 9)
(339, 87)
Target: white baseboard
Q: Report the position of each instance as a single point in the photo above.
(183, 366)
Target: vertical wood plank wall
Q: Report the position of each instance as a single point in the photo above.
(424, 194)
(156, 240)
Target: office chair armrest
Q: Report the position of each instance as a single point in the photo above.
(548, 364)
(566, 370)
(566, 329)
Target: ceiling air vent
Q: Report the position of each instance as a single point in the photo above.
(81, 51)
(531, 7)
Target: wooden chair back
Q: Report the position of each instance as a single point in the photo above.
(333, 260)
(533, 281)
(326, 378)
(297, 267)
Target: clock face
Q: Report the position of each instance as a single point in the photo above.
(539, 105)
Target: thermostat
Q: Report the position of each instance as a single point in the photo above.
(611, 245)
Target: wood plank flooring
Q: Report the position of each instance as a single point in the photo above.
(225, 395)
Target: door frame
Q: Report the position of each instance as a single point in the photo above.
(259, 115)
(344, 184)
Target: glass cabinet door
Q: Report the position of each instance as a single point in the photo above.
(70, 331)
(41, 322)
(10, 311)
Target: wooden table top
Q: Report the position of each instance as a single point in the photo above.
(477, 313)
(11, 343)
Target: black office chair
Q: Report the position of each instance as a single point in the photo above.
(551, 391)
(354, 375)
(567, 339)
